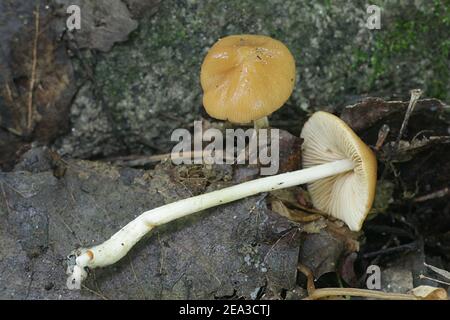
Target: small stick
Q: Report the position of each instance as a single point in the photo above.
(6, 199)
(441, 272)
(310, 287)
(434, 280)
(415, 95)
(33, 69)
(382, 135)
(365, 293)
(314, 294)
(94, 292)
(135, 161)
(403, 247)
(434, 195)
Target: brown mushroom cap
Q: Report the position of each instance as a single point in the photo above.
(347, 196)
(246, 77)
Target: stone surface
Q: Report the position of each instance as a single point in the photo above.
(236, 250)
(150, 84)
(103, 22)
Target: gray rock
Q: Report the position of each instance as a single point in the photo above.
(228, 251)
(103, 22)
(150, 85)
(140, 8)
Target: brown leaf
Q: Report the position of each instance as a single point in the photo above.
(429, 293)
(371, 111)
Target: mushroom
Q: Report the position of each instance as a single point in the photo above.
(247, 77)
(347, 196)
(340, 170)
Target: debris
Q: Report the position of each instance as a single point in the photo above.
(36, 82)
(406, 151)
(418, 293)
(441, 272)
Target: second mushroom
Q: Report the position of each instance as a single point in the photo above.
(247, 77)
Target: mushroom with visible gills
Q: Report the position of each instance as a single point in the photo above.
(347, 196)
(246, 78)
(340, 170)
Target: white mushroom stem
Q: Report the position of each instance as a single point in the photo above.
(261, 123)
(121, 242)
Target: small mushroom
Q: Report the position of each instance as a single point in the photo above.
(340, 170)
(246, 77)
(347, 196)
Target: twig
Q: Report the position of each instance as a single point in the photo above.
(94, 292)
(14, 189)
(11, 100)
(434, 280)
(279, 239)
(365, 293)
(142, 160)
(441, 272)
(404, 247)
(9, 94)
(434, 195)
(136, 278)
(33, 69)
(71, 231)
(161, 261)
(310, 287)
(6, 199)
(382, 135)
(29, 285)
(415, 95)
(314, 294)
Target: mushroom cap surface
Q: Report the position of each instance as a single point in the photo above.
(347, 196)
(246, 77)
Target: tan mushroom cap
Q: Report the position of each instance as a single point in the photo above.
(347, 196)
(246, 77)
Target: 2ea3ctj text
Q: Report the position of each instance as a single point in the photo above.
(226, 309)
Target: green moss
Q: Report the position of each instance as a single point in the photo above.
(150, 84)
(410, 38)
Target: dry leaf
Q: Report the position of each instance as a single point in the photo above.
(429, 293)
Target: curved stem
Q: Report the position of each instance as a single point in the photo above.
(314, 294)
(121, 242)
(330, 292)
